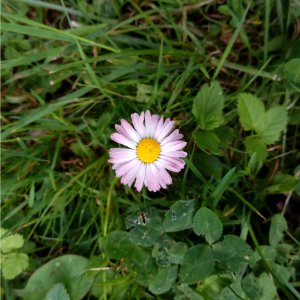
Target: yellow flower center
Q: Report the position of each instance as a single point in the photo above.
(148, 150)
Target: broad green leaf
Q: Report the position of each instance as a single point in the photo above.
(251, 287)
(147, 226)
(283, 252)
(207, 142)
(179, 216)
(189, 292)
(58, 292)
(10, 242)
(70, 270)
(144, 265)
(274, 122)
(281, 273)
(119, 245)
(232, 292)
(209, 165)
(166, 251)
(197, 264)
(257, 146)
(164, 280)
(176, 252)
(269, 289)
(277, 228)
(225, 134)
(139, 259)
(292, 71)
(149, 217)
(13, 264)
(3, 232)
(251, 111)
(207, 223)
(232, 253)
(161, 256)
(221, 187)
(144, 236)
(208, 106)
(269, 253)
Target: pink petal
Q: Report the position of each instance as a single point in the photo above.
(129, 177)
(174, 136)
(122, 169)
(165, 178)
(173, 146)
(167, 127)
(138, 124)
(130, 131)
(149, 125)
(175, 154)
(121, 139)
(171, 164)
(150, 179)
(140, 177)
(158, 128)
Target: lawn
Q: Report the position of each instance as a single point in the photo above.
(206, 203)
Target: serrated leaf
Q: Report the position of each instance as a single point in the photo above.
(69, 270)
(164, 280)
(58, 292)
(274, 122)
(257, 146)
(208, 106)
(197, 264)
(251, 111)
(13, 264)
(207, 141)
(232, 253)
(277, 228)
(179, 216)
(10, 242)
(206, 223)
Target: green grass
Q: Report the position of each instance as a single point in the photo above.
(71, 69)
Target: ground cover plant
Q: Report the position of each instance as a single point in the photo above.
(227, 73)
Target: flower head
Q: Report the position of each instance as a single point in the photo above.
(154, 147)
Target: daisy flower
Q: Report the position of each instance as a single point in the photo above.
(154, 147)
